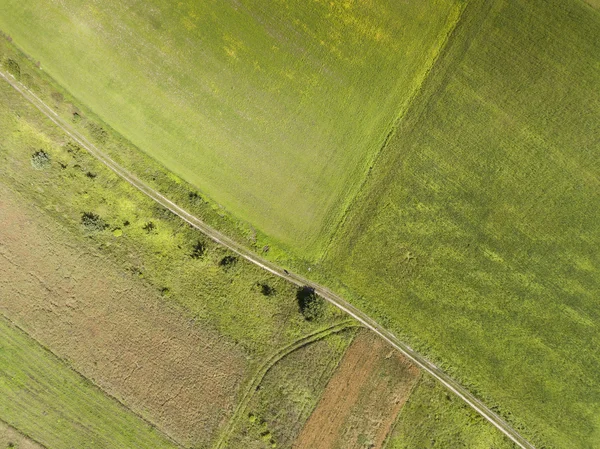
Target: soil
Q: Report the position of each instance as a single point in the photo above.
(113, 328)
(11, 438)
(362, 399)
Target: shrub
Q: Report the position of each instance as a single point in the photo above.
(13, 68)
(93, 222)
(149, 227)
(311, 306)
(228, 261)
(266, 289)
(40, 160)
(195, 198)
(198, 250)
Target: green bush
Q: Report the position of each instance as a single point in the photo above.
(13, 68)
(40, 160)
(311, 306)
(93, 222)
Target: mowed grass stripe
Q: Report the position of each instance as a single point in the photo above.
(274, 110)
(477, 236)
(45, 399)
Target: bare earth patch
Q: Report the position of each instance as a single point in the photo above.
(113, 328)
(362, 399)
(11, 438)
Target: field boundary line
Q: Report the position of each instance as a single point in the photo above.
(494, 418)
(389, 435)
(393, 127)
(90, 382)
(269, 363)
(23, 434)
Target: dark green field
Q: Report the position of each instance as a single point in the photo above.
(476, 237)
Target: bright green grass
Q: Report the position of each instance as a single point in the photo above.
(477, 236)
(273, 109)
(434, 418)
(54, 405)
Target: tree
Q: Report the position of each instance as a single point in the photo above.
(312, 307)
(13, 68)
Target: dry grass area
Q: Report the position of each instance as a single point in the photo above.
(362, 399)
(11, 438)
(113, 328)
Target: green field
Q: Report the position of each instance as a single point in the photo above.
(227, 298)
(260, 106)
(45, 399)
(476, 236)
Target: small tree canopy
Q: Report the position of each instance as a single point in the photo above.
(312, 307)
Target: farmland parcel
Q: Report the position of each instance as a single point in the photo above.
(477, 233)
(43, 398)
(273, 109)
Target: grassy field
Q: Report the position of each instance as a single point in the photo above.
(432, 418)
(140, 302)
(475, 237)
(45, 399)
(260, 107)
(206, 281)
(285, 397)
(290, 389)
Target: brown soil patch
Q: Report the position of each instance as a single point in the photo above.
(362, 399)
(113, 328)
(11, 438)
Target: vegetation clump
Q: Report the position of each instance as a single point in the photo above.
(312, 307)
(97, 132)
(40, 160)
(149, 227)
(228, 261)
(13, 68)
(195, 198)
(93, 222)
(198, 250)
(266, 289)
